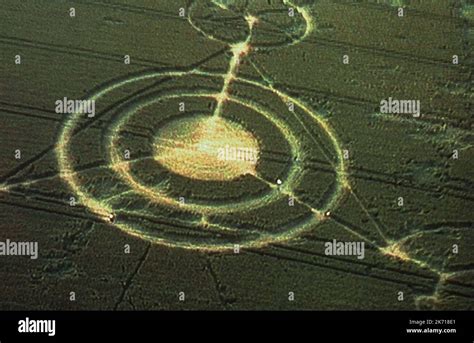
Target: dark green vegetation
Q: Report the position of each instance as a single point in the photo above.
(391, 156)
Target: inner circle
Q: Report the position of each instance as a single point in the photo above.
(159, 196)
(206, 148)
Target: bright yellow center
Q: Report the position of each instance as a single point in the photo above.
(206, 148)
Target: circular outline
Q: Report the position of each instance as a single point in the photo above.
(303, 11)
(265, 238)
(274, 194)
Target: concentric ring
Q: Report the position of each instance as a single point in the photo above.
(252, 238)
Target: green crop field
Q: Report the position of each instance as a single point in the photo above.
(236, 155)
